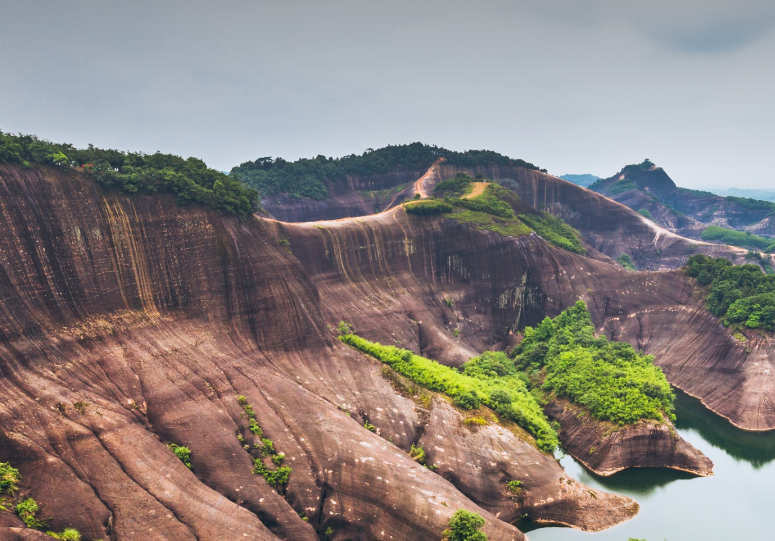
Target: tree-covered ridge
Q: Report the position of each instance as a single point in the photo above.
(489, 379)
(306, 178)
(741, 295)
(562, 357)
(190, 180)
(732, 237)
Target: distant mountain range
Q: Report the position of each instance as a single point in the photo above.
(581, 180)
(732, 219)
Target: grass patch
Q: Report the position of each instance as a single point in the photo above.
(555, 231)
(621, 186)
(506, 393)
(611, 380)
(737, 238)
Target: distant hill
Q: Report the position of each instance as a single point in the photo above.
(581, 180)
(649, 190)
(764, 195)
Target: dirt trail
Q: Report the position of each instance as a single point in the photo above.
(478, 190)
(418, 186)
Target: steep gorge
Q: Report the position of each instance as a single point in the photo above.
(154, 317)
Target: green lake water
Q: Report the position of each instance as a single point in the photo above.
(738, 502)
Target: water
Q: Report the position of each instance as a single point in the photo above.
(738, 502)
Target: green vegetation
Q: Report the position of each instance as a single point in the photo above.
(626, 261)
(491, 377)
(699, 193)
(307, 178)
(9, 478)
(741, 295)
(276, 476)
(752, 204)
(464, 526)
(183, 453)
(417, 453)
(426, 207)
(736, 238)
(621, 186)
(555, 231)
(69, 534)
(27, 510)
(493, 210)
(645, 212)
(191, 181)
(562, 357)
(456, 186)
(514, 486)
(370, 427)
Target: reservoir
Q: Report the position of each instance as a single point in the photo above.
(735, 503)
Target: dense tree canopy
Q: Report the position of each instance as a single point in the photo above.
(306, 178)
(739, 294)
(133, 172)
(610, 379)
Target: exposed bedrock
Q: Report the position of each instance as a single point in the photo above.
(130, 323)
(606, 448)
(481, 460)
(357, 196)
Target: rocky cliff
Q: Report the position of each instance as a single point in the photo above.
(129, 323)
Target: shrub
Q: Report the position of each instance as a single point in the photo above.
(417, 453)
(467, 400)
(183, 453)
(27, 510)
(626, 261)
(464, 526)
(370, 427)
(425, 207)
(645, 212)
(69, 534)
(459, 185)
(514, 486)
(9, 478)
(344, 328)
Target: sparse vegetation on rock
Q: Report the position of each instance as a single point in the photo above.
(507, 394)
(276, 477)
(183, 453)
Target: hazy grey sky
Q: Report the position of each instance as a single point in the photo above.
(576, 86)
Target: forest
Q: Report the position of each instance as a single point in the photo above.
(190, 180)
(306, 178)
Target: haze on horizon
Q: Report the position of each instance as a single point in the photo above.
(572, 86)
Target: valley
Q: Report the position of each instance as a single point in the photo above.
(133, 323)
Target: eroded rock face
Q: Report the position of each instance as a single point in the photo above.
(606, 449)
(130, 323)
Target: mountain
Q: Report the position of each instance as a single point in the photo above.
(581, 180)
(646, 188)
(134, 325)
(763, 195)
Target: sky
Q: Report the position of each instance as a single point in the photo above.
(574, 86)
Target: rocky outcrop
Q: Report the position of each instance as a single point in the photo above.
(606, 448)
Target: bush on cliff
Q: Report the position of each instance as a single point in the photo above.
(190, 180)
(610, 379)
(733, 237)
(427, 207)
(9, 478)
(741, 295)
(507, 394)
(464, 526)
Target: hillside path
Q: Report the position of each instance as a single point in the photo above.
(478, 190)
